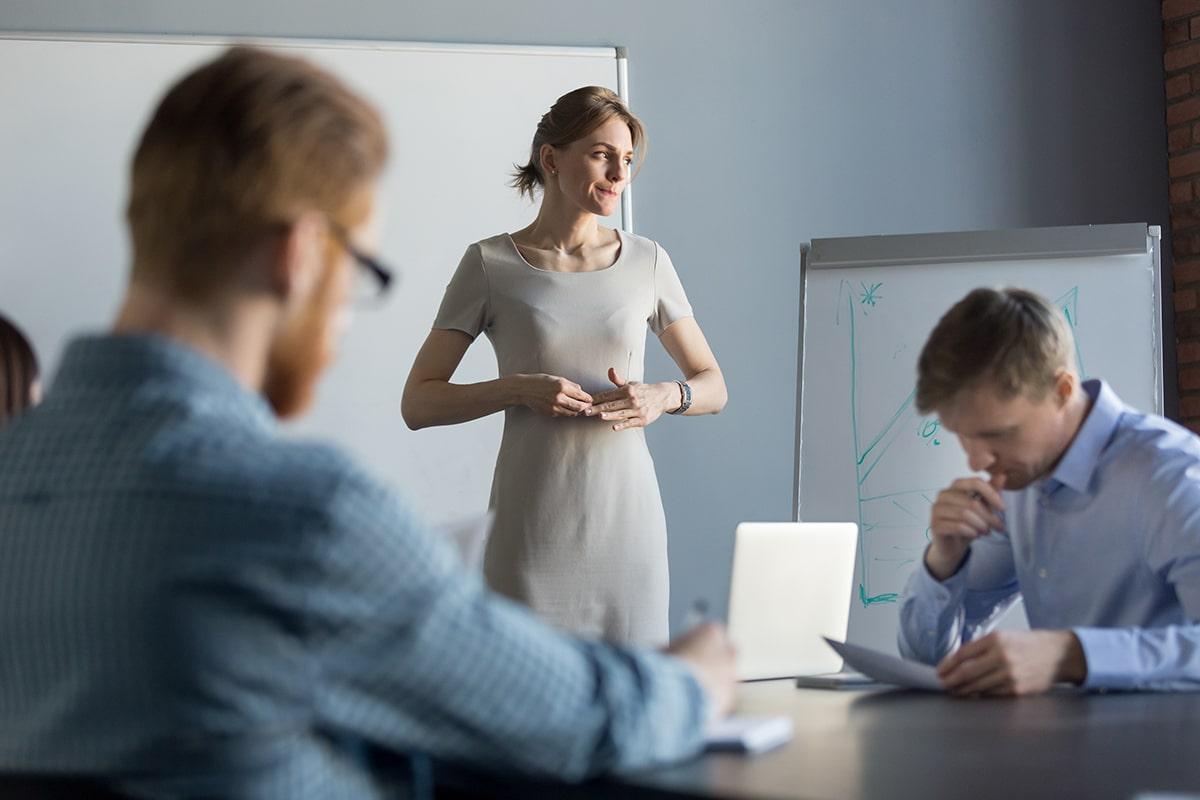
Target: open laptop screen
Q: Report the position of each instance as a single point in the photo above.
(792, 584)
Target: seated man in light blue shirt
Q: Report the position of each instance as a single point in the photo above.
(1090, 512)
(191, 604)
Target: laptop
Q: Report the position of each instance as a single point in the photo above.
(792, 584)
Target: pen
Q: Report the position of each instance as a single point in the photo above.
(976, 495)
(696, 615)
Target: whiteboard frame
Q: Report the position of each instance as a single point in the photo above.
(618, 54)
(1071, 241)
(623, 93)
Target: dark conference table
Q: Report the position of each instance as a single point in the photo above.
(894, 744)
(899, 744)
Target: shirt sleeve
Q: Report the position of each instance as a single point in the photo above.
(936, 617)
(1168, 657)
(418, 656)
(670, 301)
(465, 305)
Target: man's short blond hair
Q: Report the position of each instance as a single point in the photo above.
(237, 148)
(1013, 339)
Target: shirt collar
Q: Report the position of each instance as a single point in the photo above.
(1079, 462)
(124, 363)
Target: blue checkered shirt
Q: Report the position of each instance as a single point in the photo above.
(193, 605)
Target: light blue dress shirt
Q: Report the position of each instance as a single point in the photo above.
(1107, 546)
(193, 605)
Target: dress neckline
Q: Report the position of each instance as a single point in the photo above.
(616, 262)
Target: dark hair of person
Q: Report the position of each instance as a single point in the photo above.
(18, 371)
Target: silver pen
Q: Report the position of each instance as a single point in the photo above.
(697, 615)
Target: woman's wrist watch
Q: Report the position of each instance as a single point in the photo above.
(685, 396)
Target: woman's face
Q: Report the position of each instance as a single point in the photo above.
(593, 171)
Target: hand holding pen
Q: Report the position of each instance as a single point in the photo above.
(969, 509)
(706, 649)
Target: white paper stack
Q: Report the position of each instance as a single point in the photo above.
(888, 669)
(748, 734)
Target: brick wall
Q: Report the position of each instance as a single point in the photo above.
(1181, 64)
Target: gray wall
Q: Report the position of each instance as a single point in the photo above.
(774, 122)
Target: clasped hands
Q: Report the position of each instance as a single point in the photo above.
(629, 404)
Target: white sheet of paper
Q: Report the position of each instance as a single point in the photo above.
(745, 734)
(469, 536)
(888, 669)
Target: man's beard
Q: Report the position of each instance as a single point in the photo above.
(301, 352)
(292, 371)
(1025, 478)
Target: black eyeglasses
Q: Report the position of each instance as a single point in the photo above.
(382, 276)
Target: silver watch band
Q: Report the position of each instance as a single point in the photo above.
(685, 394)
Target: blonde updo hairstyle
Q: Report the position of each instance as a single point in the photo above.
(572, 117)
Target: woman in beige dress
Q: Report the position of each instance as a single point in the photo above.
(580, 534)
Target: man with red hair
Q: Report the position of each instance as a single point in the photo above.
(193, 605)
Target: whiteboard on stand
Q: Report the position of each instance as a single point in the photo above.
(864, 454)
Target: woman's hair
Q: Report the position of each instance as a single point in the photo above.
(18, 371)
(573, 116)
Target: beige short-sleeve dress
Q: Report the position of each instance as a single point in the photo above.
(580, 534)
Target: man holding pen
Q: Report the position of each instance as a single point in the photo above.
(193, 604)
(1090, 511)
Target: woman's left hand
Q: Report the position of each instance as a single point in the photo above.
(633, 404)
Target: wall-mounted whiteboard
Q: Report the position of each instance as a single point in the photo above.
(459, 116)
(864, 453)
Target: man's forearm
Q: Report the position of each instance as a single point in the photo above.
(1166, 658)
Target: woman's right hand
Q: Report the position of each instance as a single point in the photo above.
(551, 395)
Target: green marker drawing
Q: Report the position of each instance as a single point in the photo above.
(870, 452)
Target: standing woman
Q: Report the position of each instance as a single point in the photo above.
(580, 534)
(19, 384)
